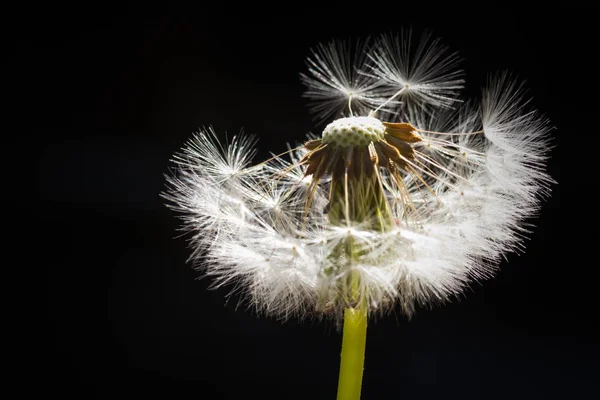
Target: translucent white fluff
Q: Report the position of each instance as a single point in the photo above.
(469, 189)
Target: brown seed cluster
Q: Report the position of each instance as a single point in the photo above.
(391, 152)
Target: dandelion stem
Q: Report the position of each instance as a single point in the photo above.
(353, 353)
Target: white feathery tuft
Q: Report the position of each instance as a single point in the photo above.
(460, 205)
(335, 86)
(426, 71)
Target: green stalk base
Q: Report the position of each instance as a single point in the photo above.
(353, 354)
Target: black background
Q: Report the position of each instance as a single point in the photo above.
(108, 95)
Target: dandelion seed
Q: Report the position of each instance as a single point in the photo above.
(336, 85)
(407, 197)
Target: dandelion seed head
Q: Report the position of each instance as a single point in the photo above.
(408, 197)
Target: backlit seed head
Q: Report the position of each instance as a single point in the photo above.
(407, 210)
(353, 131)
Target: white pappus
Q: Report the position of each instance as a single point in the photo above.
(409, 195)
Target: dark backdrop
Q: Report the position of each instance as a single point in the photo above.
(111, 94)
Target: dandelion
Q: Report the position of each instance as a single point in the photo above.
(407, 197)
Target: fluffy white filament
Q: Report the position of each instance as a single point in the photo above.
(460, 206)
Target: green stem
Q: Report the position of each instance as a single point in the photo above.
(353, 353)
